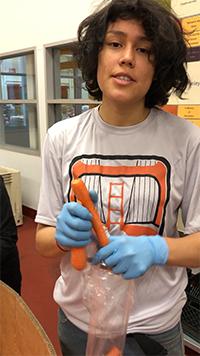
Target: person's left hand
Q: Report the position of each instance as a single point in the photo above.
(132, 256)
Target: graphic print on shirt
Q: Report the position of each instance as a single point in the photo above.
(133, 191)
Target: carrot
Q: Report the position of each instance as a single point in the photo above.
(83, 196)
(78, 258)
(78, 255)
(114, 352)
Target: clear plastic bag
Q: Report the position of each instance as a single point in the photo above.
(108, 298)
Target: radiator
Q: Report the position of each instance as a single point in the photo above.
(12, 181)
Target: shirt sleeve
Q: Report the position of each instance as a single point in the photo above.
(51, 193)
(191, 197)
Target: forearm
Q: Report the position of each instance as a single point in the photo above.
(45, 241)
(184, 251)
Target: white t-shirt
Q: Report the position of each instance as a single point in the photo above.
(143, 174)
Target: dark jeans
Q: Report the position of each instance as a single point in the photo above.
(9, 257)
(73, 340)
(10, 267)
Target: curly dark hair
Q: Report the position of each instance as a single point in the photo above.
(161, 27)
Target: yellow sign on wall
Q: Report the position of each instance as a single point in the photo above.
(190, 112)
(192, 26)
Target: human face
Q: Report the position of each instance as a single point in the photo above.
(125, 65)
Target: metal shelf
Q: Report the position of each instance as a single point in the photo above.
(191, 343)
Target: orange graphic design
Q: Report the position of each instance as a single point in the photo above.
(132, 193)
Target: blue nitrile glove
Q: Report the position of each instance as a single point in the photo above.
(131, 256)
(73, 226)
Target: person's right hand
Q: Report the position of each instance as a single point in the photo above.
(74, 227)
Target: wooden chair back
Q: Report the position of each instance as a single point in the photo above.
(20, 332)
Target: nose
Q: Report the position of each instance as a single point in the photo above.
(128, 58)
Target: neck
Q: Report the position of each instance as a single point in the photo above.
(120, 116)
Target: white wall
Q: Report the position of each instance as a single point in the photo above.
(25, 24)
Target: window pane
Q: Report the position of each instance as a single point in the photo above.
(68, 83)
(18, 125)
(17, 77)
(62, 112)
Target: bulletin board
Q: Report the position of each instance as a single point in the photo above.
(188, 12)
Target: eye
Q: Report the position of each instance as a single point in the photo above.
(143, 50)
(114, 44)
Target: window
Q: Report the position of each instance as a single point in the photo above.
(66, 92)
(18, 105)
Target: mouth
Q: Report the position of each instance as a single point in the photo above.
(123, 78)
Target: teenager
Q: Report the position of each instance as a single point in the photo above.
(144, 165)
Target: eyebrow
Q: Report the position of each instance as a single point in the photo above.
(121, 33)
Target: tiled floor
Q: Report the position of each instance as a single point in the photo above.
(38, 278)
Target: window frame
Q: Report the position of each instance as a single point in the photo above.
(51, 102)
(15, 148)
